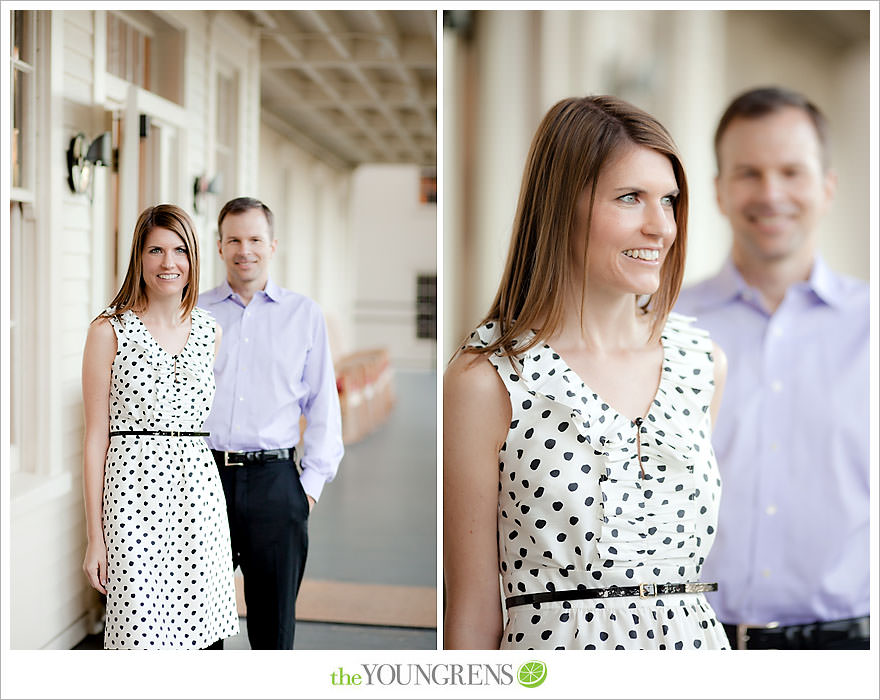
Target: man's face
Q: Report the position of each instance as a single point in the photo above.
(246, 246)
(771, 185)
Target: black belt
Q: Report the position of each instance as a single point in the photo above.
(240, 459)
(813, 635)
(166, 433)
(643, 590)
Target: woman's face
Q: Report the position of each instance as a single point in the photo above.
(165, 266)
(633, 223)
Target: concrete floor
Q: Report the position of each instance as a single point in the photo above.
(376, 522)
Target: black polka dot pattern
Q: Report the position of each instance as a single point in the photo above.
(170, 581)
(575, 511)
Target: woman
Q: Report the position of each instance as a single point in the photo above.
(577, 416)
(158, 538)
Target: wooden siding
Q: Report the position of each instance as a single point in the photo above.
(78, 55)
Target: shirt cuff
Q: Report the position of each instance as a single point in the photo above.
(312, 483)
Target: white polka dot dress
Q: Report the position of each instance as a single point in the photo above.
(575, 511)
(170, 579)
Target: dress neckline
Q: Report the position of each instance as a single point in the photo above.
(618, 415)
(158, 344)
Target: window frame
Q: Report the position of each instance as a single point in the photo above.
(30, 71)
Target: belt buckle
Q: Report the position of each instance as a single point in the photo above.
(742, 633)
(647, 590)
(227, 463)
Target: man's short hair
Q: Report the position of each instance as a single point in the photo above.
(760, 102)
(240, 205)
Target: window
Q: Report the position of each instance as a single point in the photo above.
(426, 306)
(23, 100)
(146, 51)
(128, 51)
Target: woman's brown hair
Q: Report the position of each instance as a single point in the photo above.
(576, 138)
(132, 294)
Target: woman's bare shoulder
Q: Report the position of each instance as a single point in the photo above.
(101, 328)
(475, 399)
(473, 373)
(101, 338)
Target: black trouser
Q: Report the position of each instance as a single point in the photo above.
(268, 524)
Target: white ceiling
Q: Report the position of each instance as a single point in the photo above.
(351, 86)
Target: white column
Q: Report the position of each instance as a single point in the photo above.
(845, 231)
(696, 59)
(451, 271)
(503, 132)
(558, 57)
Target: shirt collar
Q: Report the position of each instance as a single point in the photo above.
(272, 290)
(224, 291)
(729, 285)
(825, 284)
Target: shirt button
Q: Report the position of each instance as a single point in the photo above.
(774, 446)
(766, 573)
(247, 340)
(776, 386)
(771, 510)
(241, 398)
(776, 332)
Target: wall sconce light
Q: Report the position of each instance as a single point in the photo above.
(202, 186)
(83, 157)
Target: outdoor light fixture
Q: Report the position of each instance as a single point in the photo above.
(82, 159)
(202, 186)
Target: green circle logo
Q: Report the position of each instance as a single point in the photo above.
(531, 674)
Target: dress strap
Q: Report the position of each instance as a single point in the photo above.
(509, 368)
(117, 322)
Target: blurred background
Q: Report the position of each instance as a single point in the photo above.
(329, 117)
(503, 71)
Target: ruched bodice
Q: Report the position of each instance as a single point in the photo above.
(154, 390)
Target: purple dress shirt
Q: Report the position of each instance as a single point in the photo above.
(274, 365)
(792, 445)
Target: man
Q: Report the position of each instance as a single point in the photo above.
(792, 549)
(273, 366)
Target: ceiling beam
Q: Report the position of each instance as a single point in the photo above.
(330, 25)
(313, 73)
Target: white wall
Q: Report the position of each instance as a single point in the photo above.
(393, 238)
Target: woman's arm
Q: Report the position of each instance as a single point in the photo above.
(97, 360)
(476, 418)
(720, 377)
